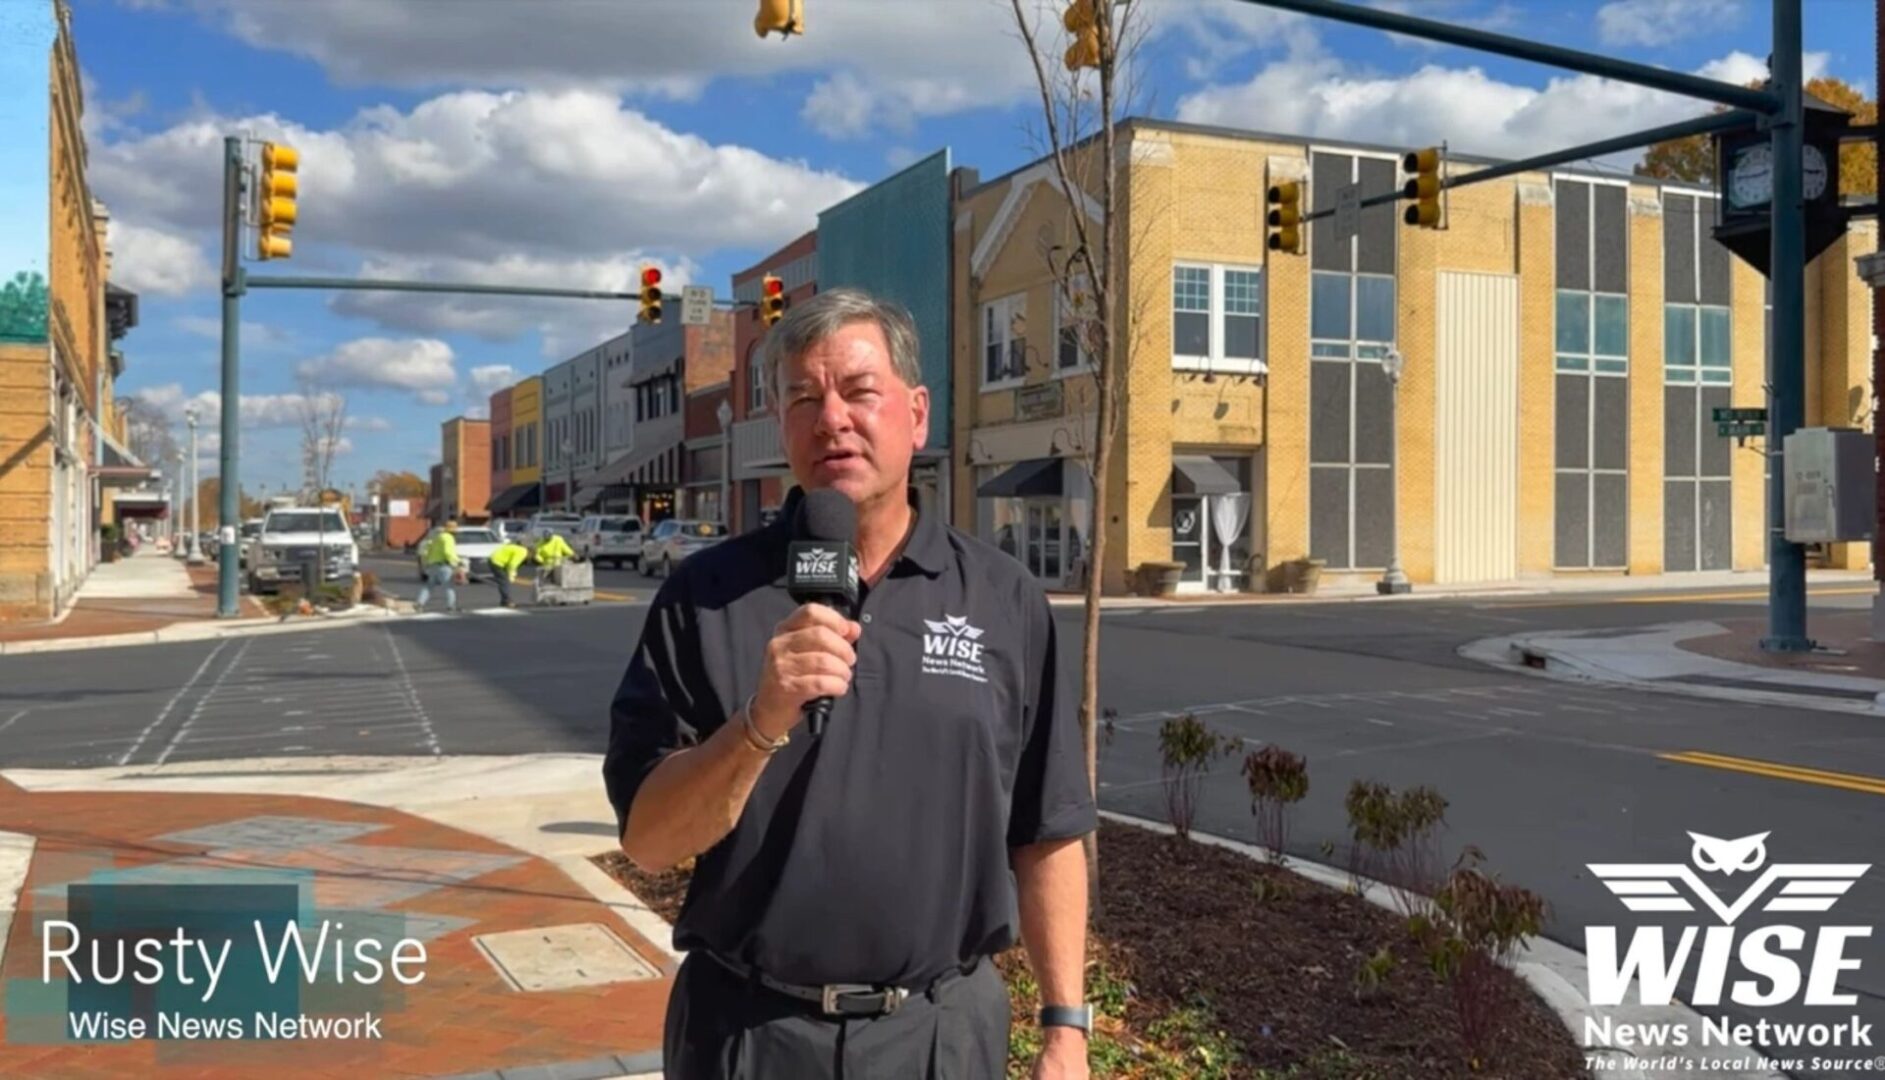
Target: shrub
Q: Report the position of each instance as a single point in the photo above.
(1186, 750)
(369, 586)
(1372, 973)
(1396, 838)
(1476, 924)
(1278, 779)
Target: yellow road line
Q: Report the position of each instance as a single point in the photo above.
(600, 595)
(1871, 785)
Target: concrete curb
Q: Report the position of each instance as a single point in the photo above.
(1553, 971)
(1542, 657)
(201, 631)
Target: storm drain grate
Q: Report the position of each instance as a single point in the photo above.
(563, 957)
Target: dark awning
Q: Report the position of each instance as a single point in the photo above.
(656, 464)
(516, 497)
(609, 493)
(1029, 479)
(1205, 476)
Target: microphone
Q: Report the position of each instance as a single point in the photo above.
(821, 567)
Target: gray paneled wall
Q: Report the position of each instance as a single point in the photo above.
(1592, 410)
(1698, 528)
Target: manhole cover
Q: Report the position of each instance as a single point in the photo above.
(562, 957)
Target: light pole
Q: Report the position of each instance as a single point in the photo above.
(1393, 581)
(724, 414)
(196, 553)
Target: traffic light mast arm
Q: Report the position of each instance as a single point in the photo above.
(1701, 125)
(1604, 67)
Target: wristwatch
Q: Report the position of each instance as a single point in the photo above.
(1074, 1016)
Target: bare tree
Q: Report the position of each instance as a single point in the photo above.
(1083, 97)
(323, 419)
(148, 432)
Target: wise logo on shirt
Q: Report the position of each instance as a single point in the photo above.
(953, 647)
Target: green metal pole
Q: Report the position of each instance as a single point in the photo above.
(229, 550)
(1786, 562)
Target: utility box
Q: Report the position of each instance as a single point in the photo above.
(1831, 492)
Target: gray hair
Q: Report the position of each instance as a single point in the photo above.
(811, 322)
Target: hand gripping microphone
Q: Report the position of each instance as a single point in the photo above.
(821, 567)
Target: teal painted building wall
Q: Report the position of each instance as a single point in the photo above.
(28, 29)
(892, 239)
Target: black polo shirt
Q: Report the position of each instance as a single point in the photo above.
(879, 852)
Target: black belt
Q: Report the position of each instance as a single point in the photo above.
(846, 999)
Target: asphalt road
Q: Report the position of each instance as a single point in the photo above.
(1543, 777)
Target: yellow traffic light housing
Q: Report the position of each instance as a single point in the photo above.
(1424, 187)
(1285, 217)
(772, 301)
(787, 17)
(1082, 21)
(275, 204)
(650, 295)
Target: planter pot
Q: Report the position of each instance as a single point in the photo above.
(1305, 575)
(1160, 578)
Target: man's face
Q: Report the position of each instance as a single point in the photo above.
(849, 423)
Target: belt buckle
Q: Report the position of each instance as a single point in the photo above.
(889, 998)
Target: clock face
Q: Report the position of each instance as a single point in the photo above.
(1751, 179)
(1813, 173)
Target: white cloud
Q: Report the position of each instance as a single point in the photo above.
(369, 423)
(259, 411)
(1659, 22)
(567, 187)
(1741, 69)
(488, 379)
(918, 59)
(478, 412)
(156, 261)
(1322, 96)
(253, 333)
(422, 366)
(341, 446)
(840, 107)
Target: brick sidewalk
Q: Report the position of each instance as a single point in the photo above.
(1847, 650)
(450, 886)
(98, 617)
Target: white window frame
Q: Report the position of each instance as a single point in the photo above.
(756, 382)
(1216, 361)
(1004, 308)
(1063, 307)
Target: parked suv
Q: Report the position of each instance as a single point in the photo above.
(673, 540)
(292, 538)
(610, 538)
(542, 525)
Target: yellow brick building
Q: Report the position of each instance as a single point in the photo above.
(1563, 340)
(57, 367)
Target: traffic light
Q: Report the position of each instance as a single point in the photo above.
(275, 201)
(785, 16)
(1285, 217)
(1082, 21)
(650, 295)
(1424, 188)
(772, 299)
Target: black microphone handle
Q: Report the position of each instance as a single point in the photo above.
(817, 711)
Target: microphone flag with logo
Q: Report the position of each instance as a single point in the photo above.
(821, 567)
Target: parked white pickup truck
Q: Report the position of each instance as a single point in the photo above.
(292, 538)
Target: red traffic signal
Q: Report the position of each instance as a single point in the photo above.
(650, 276)
(771, 299)
(650, 294)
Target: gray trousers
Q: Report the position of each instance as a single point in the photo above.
(721, 1027)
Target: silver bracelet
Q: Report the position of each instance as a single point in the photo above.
(758, 741)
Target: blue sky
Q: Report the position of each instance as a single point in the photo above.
(568, 141)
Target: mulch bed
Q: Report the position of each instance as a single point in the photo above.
(1199, 971)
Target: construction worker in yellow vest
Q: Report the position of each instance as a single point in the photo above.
(504, 564)
(440, 562)
(553, 550)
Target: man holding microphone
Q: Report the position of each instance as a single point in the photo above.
(856, 875)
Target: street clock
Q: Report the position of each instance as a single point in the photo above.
(1745, 168)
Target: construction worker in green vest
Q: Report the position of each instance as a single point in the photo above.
(505, 561)
(440, 562)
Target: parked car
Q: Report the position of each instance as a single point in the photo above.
(245, 547)
(672, 541)
(610, 538)
(294, 537)
(542, 525)
(510, 529)
(475, 548)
